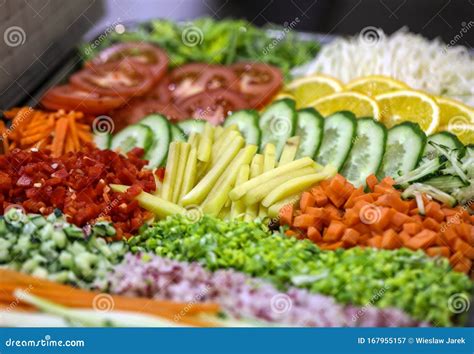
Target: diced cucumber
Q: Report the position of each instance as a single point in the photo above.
(176, 133)
(367, 151)
(443, 138)
(446, 183)
(247, 123)
(136, 135)
(277, 124)
(309, 127)
(192, 126)
(102, 140)
(338, 136)
(158, 151)
(405, 144)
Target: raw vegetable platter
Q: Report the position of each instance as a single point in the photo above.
(212, 174)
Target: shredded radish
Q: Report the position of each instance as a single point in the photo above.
(423, 64)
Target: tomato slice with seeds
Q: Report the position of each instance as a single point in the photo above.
(125, 78)
(194, 78)
(71, 98)
(259, 82)
(144, 54)
(213, 106)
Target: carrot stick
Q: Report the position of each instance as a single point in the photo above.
(73, 131)
(59, 136)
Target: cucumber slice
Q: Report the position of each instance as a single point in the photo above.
(102, 140)
(443, 138)
(338, 136)
(309, 127)
(192, 126)
(247, 122)
(136, 135)
(277, 124)
(176, 133)
(367, 151)
(405, 144)
(158, 151)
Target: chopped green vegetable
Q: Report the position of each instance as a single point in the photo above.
(409, 280)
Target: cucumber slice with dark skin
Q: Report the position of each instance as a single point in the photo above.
(192, 126)
(247, 122)
(443, 138)
(158, 151)
(277, 123)
(405, 145)
(136, 135)
(177, 134)
(367, 151)
(309, 127)
(338, 137)
(102, 140)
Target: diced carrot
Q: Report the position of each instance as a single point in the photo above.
(290, 233)
(375, 241)
(433, 210)
(449, 211)
(463, 230)
(304, 221)
(364, 238)
(350, 201)
(331, 246)
(450, 234)
(412, 228)
(383, 219)
(399, 219)
(332, 213)
(422, 240)
(455, 258)
(286, 215)
(306, 201)
(320, 197)
(431, 224)
(334, 232)
(383, 189)
(350, 237)
(351, 217)
(438, 251)
(389, 181)
(464, 248)
(464, 266)
(390, 240)
(314, 234)
(318, 212)
(404, 236)
(371, 182)
(368, 198)
(362, 228)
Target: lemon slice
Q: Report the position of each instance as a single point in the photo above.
(451, 110)
(411, 105)
(310, 88)
(359, 104)
(374, 85)
(465, 132)
(282, 94)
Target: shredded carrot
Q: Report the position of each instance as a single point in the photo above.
(58, 131)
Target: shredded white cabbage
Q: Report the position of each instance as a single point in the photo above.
(423, 64)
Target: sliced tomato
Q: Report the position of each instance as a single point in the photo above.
(71, 98)
(144, 54)
(191, 79)
(125, 78)
(259, 82)
(213, 106)
(137, 108)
